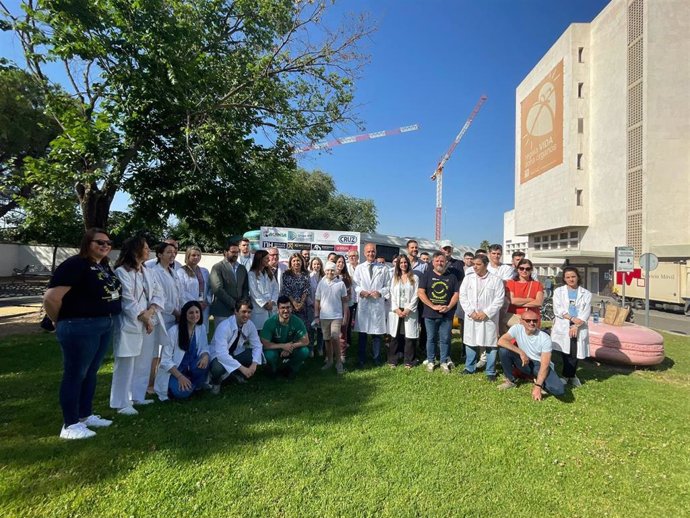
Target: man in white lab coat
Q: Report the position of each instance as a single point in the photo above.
(371, 283)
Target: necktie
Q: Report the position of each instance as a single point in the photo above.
(371, 270)
(237, 340)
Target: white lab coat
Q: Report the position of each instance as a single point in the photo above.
(225, 335)
(172, 356)
(559, 332)
(171, 291)
(262, 289)
(139, 291)
(486, 296)
(371, 313)
(189, 289)
(397, 292)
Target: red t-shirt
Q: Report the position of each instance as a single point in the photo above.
(523, 290)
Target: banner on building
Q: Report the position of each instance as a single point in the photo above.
(541, 126)
(320, 243)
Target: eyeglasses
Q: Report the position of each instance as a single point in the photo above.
(530, 320)
(102, 242)
(525, 269)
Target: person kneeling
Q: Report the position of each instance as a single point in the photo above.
(184, 359)
(285, 339)
(531, 355)
(235, 348)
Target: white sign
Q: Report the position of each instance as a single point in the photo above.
(649, 262)
(624, 259)
(320, 243)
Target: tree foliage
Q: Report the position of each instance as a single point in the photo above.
(189, 106)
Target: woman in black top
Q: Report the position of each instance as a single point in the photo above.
(83, 297)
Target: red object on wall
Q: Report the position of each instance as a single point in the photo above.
(629, 276)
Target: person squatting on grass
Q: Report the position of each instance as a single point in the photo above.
(84, 298)
(235, 348)
(531, 355)
(330, 307)
(285, 340)
(138, 330)
(184, 359)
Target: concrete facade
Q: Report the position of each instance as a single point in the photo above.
(624, 177)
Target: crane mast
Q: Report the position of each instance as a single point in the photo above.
(438, 173)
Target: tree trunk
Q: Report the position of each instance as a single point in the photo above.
(95, 204)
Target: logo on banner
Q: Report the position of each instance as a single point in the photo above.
(324, 248)
(273, 244)
(347, 239)
(273, 232)
(300, 236)
(299, 246)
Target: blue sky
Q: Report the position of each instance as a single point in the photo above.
(430, 60)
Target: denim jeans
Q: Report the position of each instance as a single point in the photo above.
(375, 347)
(438, 327)
(84, 342)
(472, 356)
(509, 359)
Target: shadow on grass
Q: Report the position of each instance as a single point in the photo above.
(242, 417)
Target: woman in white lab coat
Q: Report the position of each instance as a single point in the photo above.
(184, 359)
(263, 289)
(403, 323)
(136, 328)
(194, 283)
(572, 305)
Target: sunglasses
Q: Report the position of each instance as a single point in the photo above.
(525, 269)
(102, 242)
(530, 320)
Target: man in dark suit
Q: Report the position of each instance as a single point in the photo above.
(229, 284)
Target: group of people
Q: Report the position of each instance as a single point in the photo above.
(275, 314)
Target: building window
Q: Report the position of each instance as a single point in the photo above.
(580, 125)
(579, 161)
(580, 87)
(578, 195)
(580, 54)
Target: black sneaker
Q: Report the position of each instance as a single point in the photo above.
(491, 378)
(465, 372)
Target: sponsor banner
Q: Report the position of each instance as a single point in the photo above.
(320, 243)
(541, 126)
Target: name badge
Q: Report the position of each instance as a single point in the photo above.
(115, 295)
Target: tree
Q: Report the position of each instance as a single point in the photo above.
(484, 245)
(169, 96)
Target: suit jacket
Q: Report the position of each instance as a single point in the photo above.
(226, 288)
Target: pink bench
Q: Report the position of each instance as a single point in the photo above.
(628, 344)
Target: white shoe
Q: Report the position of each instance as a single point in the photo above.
(564, 381)
(143, 402)
(575, 382)
(446, 367)
(480, 364)
(327, 366)
(215, 389)
(429, 365)
(76, 431)
(96, 421)
(128, 410)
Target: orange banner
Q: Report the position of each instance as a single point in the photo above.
(541, 126)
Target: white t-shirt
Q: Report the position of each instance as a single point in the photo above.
(533, 345)
(504, 271)
(330, 295)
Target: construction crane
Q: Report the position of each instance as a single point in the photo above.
(438, 174)
(356, 138)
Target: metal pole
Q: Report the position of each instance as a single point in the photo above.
(646, 295)
(624, 282)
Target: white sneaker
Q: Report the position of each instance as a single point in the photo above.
(446, 367)
(575, 382)
(215, 389)
(480, 364)
(339, 368)
(76, 431)
(564, 381)
(96, 421)
(142, 402)
(429, 365)
(128, 410)
(327, 366)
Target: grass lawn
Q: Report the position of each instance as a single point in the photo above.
(377, 442)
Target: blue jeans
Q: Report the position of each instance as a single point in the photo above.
(375, 347)
(438, 327)
(472, 356)
(84, 342)
(196, 375)
(509, 359)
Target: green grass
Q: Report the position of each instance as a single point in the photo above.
(376, 442)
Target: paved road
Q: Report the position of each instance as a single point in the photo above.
(660, 320)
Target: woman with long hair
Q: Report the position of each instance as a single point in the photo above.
(295, 286)
(138, 329)
(315, 275)
(403, 324)
(343, 274)
(194, 283)
(184, 360)
(572, 305)
(263, 289)
(84, 299)
(524, 293)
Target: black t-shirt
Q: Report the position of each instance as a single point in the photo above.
(95, 289)
(440, 289)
